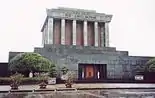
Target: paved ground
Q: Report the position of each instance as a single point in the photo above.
(97, 85)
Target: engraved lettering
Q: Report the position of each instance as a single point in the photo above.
(79, 15)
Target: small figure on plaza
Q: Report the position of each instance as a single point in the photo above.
(31, 74)
(98, 74)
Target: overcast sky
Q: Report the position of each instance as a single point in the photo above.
(132, 27)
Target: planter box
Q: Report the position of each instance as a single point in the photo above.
(52, 81)
(63, 77)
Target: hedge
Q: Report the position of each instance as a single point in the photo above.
(7, 80)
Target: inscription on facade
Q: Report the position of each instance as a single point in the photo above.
(88, 17)
(79, 15)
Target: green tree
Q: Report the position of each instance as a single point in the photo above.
(150, 65)
(26, 62)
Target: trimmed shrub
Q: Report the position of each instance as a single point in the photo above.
(27, 62)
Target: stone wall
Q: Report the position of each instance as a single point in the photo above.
(3, 69)
(119, 64)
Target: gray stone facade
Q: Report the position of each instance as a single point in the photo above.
(119, 64)
(78, 14)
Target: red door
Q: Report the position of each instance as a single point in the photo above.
(89, 72)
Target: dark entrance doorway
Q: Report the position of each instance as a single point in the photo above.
(92, 71)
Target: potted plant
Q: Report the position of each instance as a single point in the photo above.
(43, 77)
(64, 70)
(70, 77)
(52, 76)
(15, 81)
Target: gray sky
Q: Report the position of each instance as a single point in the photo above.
(132, 27)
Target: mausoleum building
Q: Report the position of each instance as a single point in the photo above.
(79, 40)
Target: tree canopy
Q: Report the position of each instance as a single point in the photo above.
(150, 65)
(25, 62)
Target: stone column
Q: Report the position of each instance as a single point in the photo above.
(63, 31)
(106, 34)
(43, 36)
(85, 34)
(102, 36)
(46, 34)
(96, 33)
(50, 31)
(74, 32)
